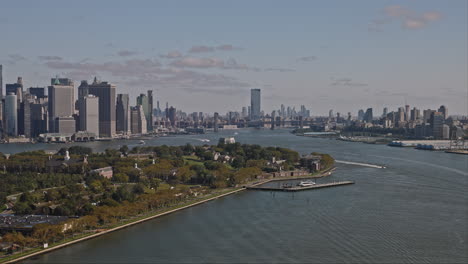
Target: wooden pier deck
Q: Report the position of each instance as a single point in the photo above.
(298, 188)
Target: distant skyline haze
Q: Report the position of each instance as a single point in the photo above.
(207, 55)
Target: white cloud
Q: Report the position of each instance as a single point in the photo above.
(171, 55)
(409, 19)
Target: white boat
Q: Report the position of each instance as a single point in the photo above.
(306, 183)
(142, 142)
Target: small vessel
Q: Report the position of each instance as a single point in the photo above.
(142, 142)
(306, 183)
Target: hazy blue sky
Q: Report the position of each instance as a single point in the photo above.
(206, 55)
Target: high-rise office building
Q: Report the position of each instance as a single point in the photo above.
(215, 122)
(61, 101)
(65, 124)
(415, 114)
(146, 101)
(385, 112)
(122, 115)
(361, 114)
(16, 88)
(39, 92)
(11, 115)
(444, 111)
(437, 123)
(149, 114)
(172, 116)
(255, 106)
(368, 116)
(401, 115)
(407, 112)
(244, 112)
(107, 100)
(427, 115)
(89, 114)
(138, 120)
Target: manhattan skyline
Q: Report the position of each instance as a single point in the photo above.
(324, 55)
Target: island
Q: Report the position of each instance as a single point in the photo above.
(52, 199)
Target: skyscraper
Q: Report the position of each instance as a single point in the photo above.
(368, 116)
(255, 106)
(437, 122)
(172, 116)
(123, 120)
(444, 111)
(385, 112)
(146, 101)
(215, 122)
(89, 114)
(106, 93)
(401, 114)
(61, 100)
(11, 115)
(361, 114)
(16, 88)
(407, 112)
(39, 92)
(149, 114)
(138, 120)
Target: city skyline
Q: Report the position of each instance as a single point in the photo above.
(211, 70)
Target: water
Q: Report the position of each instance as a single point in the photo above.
(414, 211)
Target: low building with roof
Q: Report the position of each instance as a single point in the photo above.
(105, 172)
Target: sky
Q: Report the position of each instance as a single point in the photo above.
(207, 55)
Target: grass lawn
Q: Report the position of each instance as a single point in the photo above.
(192, 160)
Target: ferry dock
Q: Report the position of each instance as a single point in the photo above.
(298, 188)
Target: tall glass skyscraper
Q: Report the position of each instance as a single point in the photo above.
(255, 104)
(123, 119)
(11, 115)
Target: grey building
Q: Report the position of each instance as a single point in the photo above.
(61, 100)
(437, 122)
(443, 109)
(138, 120)
(89, 114)
(368, 116)
(255, 102)
(39, 92)
(146, 101)
(149, 114)
(107, 97)
(65, 125)
(16, 88)
(123, 120)
(11, 115)
(215, 122)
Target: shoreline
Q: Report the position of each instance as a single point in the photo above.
(93, 235)
(37, 252)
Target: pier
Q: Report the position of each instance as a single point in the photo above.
(298, 188)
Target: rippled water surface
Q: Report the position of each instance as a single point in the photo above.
(414, 211)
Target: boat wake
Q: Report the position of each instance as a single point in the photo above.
(202, 139)
(360, 164)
